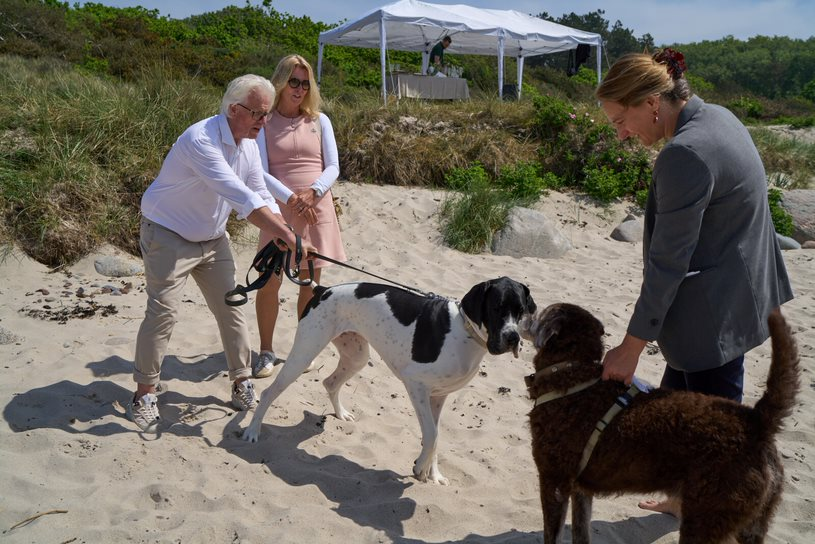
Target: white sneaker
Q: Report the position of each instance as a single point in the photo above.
(243, 396)
(144, 412)
(266, 362)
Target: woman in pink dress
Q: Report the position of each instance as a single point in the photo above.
(299, 153)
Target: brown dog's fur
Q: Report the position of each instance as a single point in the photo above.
(717, 456)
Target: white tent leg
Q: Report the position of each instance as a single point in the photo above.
(320, 62)
(520, 76)
(500, 67)
(382, 48)
(599, 66)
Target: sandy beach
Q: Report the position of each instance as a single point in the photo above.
(68, 452)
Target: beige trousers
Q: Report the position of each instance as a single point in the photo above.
(169, 260)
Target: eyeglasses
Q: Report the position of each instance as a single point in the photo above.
(294, 83)
(256, 115)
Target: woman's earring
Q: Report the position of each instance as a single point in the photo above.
(656, 116)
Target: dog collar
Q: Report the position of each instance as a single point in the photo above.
(552, 395)
(553, 368)
(472, 331)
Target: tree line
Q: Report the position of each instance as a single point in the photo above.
(217, 46)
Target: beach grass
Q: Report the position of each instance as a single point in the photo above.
(77, 150)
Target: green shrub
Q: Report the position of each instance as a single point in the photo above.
(699, 84)
(802, 122)
(470, 218)
(641, 197)
(522, 181)
(585, 76)
(467, 179)
(576, 151)
(782, 220)
(745, 106)
(808, 92)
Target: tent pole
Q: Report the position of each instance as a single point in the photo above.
(319, 62)
(501, 66)
(599, 60)
(382, 48)
(520, 76)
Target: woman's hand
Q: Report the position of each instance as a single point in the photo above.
(303, 207)
(620, 363)
(308, 197)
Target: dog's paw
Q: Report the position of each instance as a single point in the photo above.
(431, 477)
(438, 479)
(345, 415)
(250, 435)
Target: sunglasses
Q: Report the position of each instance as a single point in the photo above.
(294, 83)
(256, 115)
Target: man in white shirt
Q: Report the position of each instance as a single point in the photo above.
(213, 168)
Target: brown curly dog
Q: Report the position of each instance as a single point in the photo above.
(717, 456)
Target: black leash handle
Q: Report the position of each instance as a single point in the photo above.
(268, 262)
(294, 273)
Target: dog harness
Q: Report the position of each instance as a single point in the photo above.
(620, 403)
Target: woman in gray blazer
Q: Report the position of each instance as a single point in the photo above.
(712, 267)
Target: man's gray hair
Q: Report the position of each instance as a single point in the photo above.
(240, 88)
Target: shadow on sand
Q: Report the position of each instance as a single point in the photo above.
(97, 408)
(368, 497)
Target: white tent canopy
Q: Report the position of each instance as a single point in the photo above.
(410, 25)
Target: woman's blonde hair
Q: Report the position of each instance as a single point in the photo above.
(636, 76)
(312, 103)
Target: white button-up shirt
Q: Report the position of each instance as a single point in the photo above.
(203, 178)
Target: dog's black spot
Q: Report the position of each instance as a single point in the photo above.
(431, 315)
(431, 328)
(320, 294)
(405, 306)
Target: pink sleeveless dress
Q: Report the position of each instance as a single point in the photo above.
(295, 158)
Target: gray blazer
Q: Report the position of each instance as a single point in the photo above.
(713, 269)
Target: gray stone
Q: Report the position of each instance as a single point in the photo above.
(629, 230)
(800, 203)
(786, 242)
(809, 244)
(529, 233)
(116, 267)
(8, 337)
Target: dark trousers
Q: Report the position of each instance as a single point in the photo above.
(726, 381)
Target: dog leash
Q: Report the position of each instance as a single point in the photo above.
(271, 259)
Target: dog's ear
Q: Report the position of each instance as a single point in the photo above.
(474, 301)
(528, 301)
(544, 330)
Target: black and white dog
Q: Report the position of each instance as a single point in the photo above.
(432, 344)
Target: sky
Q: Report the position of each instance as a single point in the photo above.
(682, 21)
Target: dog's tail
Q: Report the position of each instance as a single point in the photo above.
(783, 378)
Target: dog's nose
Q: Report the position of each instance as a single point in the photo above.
(513, 338)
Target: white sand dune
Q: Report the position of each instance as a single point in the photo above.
(67, 448)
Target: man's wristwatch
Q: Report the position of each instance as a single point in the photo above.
(317, 191)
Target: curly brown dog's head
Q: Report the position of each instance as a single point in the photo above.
(566, 332)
